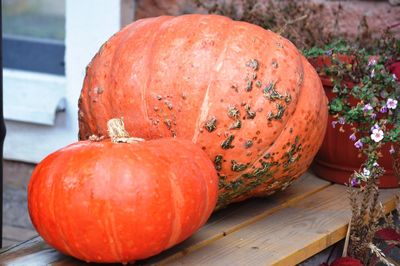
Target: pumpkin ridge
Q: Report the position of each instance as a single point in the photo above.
(109, 228)
(109, 223)
(85, 100)
(83, 104)
(263, 152)
(36, 209)
(319, 115)
(176, 195)
(55, 212)
(91, 112)
(265, 74)
(149, 62)
(113, 64)
(117, 43)
(206, 203)
(202, 117)
(108, 94)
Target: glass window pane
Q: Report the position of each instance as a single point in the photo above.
(34, 18)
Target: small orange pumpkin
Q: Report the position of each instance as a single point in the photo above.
(244, 94)
(117, 202)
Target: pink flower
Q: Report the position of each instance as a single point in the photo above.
(376, 126)
(367, 107)
(372, 62)
(352, 137)
(377, 135)
(334, 123)
(391, 103)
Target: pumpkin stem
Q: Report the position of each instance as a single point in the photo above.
(117, 132)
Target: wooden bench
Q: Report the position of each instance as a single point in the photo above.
(283, 229)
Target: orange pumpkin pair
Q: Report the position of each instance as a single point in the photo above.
(243, 95)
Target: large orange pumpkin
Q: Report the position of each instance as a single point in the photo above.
(244, 94)
(118, 202)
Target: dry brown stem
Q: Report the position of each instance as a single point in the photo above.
(118, 133)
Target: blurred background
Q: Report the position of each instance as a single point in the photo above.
(34, 48)
(47, 45)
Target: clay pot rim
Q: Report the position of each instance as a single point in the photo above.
(325, 61)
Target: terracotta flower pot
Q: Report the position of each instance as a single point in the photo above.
(338, 158)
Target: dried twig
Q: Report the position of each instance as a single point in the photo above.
(290, 22)
(346, 241)
(380, 255)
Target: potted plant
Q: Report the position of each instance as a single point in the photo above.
(363, 89)
(363, 142)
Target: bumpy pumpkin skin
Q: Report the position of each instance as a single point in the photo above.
(108, 202)
(246, 95)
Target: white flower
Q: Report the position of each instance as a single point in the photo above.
(391, 103)
(366, 172)
(377, 135)
(375, 164)
(394, 76)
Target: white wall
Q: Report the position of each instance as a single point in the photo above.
(89, 24)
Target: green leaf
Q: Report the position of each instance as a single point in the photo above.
(336, 106)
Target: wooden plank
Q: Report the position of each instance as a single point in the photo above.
(237, 216)
(222, 223)
(34, 252)
(286, 237)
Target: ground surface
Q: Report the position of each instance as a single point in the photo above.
(16, 223)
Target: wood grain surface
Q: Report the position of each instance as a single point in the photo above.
(286, 237)
(283, 229)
